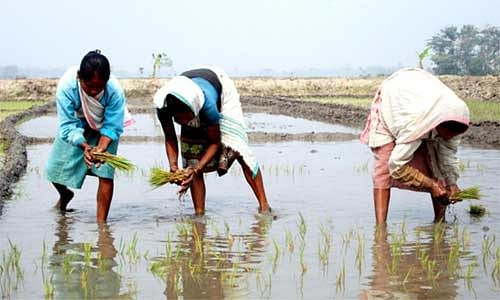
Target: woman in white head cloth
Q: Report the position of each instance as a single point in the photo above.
(206, 104)
(414, 130)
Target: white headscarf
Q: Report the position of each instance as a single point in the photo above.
(414, 102)
(183, 89)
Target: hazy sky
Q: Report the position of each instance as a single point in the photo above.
(234, 34)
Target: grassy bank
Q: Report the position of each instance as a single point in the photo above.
(480, 110)
(8, 108)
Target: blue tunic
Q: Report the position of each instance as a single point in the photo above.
(66, 164)
(209, 113)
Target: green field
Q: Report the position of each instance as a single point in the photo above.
(8, 108)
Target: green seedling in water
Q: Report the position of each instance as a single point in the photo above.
(453, 257)
(360, 252)
(289, 241)
(340, 280)
(495, 273)
(302, 226)
(132, 253)
(49, 289)
(11, 273)
(477, 210)
(67, 263)
(407, 276)
(465, 239)
(87, 252)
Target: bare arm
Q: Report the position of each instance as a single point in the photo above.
(214, 145)
(171, 144)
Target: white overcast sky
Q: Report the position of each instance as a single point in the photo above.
(234, 34)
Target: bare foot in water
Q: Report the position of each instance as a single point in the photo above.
(64, 200)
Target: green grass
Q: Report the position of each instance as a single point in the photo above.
(18, 105)
(8, 108)
(479, 110)
(3, 146)
(484, 110)
(361, 102)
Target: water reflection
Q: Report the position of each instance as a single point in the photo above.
(205, 262)
(80, 270)
(421, 269)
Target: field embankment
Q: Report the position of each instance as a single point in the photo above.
(467, 87)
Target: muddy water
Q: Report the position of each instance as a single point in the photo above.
(148, 125)
(153, 247)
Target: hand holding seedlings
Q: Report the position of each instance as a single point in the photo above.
(115, 161)
(452, 190)
(160, 177)
(438, 190)
(87, 155)
(191, 173)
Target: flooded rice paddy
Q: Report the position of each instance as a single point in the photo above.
(321, 241)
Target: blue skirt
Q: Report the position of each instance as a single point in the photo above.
(66, 164)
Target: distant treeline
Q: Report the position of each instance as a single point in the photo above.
(466, 51)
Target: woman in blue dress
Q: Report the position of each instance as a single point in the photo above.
(90, 108)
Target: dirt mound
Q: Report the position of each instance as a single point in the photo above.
(467, 87)
(15, 156)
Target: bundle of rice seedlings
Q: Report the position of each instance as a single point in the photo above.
(477, 210)
(471, 193)
(159, 177)
(115, 161)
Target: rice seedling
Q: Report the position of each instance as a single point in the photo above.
(159, 177)
(487, 245)
(67, 264)
(476, 210)
(302, 226)
(453, 257)
(439, 233)
(340, 280)
(44, 254)
(11, 273)
(264, 284)
(406, 279)
(49, 289)
(469, 274)
(360, 253)
(289, 241)
(115, 161)
(132, 253)
(465, 238)
(324, 246)
(471, 193)
(495, 273)
(303, 264)
(87, 252)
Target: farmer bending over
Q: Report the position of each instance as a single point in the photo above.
(90, 107)
(206, 104)
(414, 130)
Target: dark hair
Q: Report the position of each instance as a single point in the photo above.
(454, 126)
(175, 105)
(92, 63)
